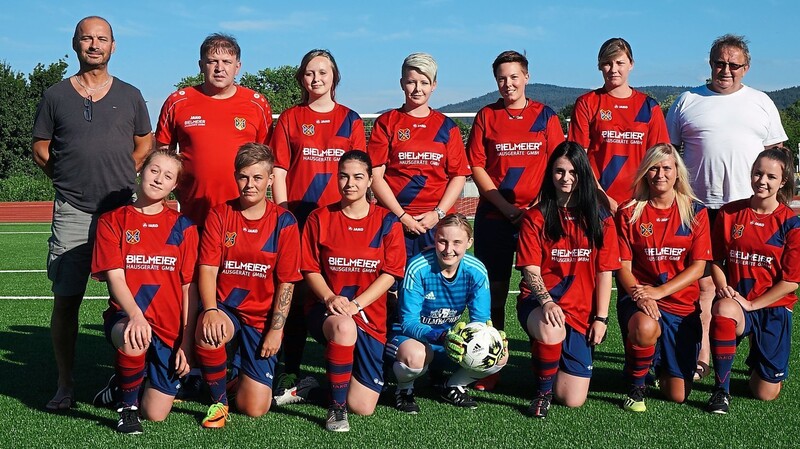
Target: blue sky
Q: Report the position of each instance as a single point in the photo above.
(158, 41)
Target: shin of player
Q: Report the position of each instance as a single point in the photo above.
(440, 284)
(567, 252)
(757, 240)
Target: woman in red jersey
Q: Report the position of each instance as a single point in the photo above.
(664, 245)
(567, 251)
(616, 124)
(507, 149)
(420, 163)
(308, 141)
(146, 253)
(352, 253)
(756, 272)
(249, 260)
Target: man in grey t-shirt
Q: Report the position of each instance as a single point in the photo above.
(90, 134)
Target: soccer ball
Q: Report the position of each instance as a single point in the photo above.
(483, 346)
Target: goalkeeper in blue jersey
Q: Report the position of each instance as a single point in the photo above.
(440, 283)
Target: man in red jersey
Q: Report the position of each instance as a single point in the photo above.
(208, 123)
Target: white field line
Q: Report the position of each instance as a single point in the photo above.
(23, 232)
(47, 297)
(23, 271)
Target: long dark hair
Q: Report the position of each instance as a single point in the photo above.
(784, 156)
(587, 210)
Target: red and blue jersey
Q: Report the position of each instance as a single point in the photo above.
(308, 145)
(513, 149)
(421, 156)
(253, 256)
(208, 132)
(351, 254)
(660, 247)
(616, 133)
(158, 254)
(568, 266)
(758, 250)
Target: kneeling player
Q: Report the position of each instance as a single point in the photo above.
(440, 284)
(352, 253)
(146, 253)
(567, 251)
(756, 272)
(249, 259)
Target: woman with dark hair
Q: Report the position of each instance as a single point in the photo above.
(507, 150)
(756, 272)
(146, 253)
(664, 244)
(353, 251)
(567, 252)
(249, 261)
(308, 141)
(616, 123)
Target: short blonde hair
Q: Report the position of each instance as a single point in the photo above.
(611, 48)
(422, 63)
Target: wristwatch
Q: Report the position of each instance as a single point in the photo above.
(439, 212)
(602, 319)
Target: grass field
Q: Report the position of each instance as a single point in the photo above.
(28, 381)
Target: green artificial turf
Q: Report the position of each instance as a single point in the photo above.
(28, 376)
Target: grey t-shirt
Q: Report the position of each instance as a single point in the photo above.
(93, 169)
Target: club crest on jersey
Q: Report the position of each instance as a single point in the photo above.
(605, 115)
(230, 239)
(133, 236)
(239, 123)
(737, 231)
(403, 134)
(646, 229)
(308, 130)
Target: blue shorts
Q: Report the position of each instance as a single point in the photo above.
(495, 246)
(440, 363)
(159, 360)
(679, 345)
(416, 244)
(247, 358)
(771, 329)
(368, 355)
(577, 354)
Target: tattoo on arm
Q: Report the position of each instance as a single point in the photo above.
(282, 307)
(536, 284)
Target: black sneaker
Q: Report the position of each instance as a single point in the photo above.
(458, 396)
(129, 422)
(191, 388)
(720, 402)
(296, 393)
(109, 395)
(540, 406)
(337, 419)
(404, 401)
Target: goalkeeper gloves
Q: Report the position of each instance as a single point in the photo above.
(503, 337)
(454, 343)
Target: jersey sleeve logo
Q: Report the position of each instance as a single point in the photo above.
(133, 236)
(403, 134)
(240, 123)
(737, 231)
(646, 229)
(308, 130)
(605, 115)
(230, 239)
